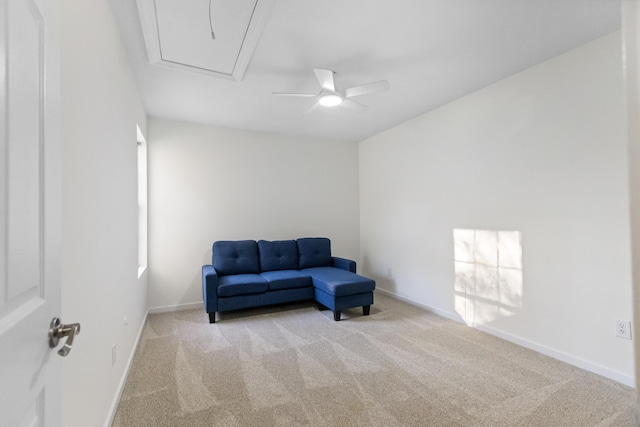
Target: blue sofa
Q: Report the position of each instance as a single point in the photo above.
(246, 273)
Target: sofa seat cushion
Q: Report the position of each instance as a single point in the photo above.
(286, 279)
(338, 282)
(241, 284)
(236, 257)
(278, 255)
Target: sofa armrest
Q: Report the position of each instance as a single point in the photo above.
(210, 288)
(343, 263)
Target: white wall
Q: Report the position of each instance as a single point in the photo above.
(100, 285)
(211, 183)
(542, 152)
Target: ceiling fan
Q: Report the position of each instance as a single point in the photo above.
(331, 96)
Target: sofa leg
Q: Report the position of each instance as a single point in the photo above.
(365, 310)
(212, 317)
(321, 307)
(336, 315)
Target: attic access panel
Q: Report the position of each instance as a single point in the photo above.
(177, 34)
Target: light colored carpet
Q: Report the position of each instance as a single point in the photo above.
(401, 366)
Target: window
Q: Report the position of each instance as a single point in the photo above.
(142, 203)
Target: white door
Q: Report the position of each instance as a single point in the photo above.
(29, 211)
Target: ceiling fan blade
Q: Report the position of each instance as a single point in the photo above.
(366, 89)
(294, 94)
(312, 109)
(325, 78)
(353, 105)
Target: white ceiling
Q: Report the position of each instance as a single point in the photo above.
(430, 51)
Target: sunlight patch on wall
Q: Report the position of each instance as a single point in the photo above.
(488, 267)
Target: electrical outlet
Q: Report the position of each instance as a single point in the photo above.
(623, 329)
(114, 353)
(389, 272)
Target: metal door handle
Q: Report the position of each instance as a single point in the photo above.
(57, 330)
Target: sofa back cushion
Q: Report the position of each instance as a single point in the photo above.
(236, 257)
(278, 255)
(314, 252)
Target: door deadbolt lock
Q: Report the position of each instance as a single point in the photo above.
(57, 330)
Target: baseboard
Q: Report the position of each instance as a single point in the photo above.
(547, 351)
(177, 307)
(559, 355)
(125, 375)
(439, 312)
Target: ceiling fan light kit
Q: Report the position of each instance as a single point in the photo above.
(330, 100)
(330, 96)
